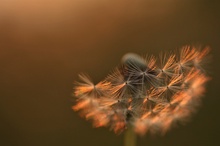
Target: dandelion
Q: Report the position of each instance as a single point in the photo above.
(145, 94)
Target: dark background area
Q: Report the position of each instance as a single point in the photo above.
(44, 44)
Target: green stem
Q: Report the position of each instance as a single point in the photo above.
(129, 137)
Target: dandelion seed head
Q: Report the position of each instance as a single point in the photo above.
(152, 95)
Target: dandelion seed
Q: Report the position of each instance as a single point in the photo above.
(146, 94)
(166, 64)
(199, 60)
(185, 59)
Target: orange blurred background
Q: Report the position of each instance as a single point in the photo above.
(44, 44)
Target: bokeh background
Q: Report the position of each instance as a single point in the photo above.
(44, 44)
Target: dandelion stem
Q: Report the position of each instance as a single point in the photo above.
(129, 137)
